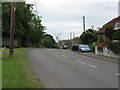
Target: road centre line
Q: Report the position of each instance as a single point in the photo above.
(117, 74)
(85, 64)
(65, 56)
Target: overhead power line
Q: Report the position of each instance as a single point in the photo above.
(105, 6)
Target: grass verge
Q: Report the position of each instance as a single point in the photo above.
(16, 71)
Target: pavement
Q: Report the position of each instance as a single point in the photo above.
(58, 68)
(101, 57)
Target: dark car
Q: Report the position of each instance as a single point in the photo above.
(75, 47)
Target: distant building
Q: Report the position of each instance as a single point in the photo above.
(70, 43)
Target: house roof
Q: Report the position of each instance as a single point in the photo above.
(110, 23)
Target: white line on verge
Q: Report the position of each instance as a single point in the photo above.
(85, 64)
(117, 74)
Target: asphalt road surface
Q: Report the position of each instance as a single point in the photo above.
(58, 68)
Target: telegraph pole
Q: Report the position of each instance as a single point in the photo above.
(73, 35)
(12, 26)
(70, 35)
(70, 41)
(84, 23)
(73, 39)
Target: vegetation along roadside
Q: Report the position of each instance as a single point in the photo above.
(17, 73)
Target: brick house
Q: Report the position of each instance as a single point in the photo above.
(115, 23)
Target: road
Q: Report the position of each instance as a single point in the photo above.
(59, 68)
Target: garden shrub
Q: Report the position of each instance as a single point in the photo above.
(115, 47)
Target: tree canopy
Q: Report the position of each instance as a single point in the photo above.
(76, 38)
(28, 28)
(109, 32)
(48, 41)
(88, 36)
(116, 35)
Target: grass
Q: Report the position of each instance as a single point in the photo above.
(17, 72)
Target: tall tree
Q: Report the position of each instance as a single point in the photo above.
(38, 32)
(48, 41)
(109, 32)
(28, 27)
(89, 36)
(6, 10)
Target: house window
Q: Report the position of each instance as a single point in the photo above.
(117, 25)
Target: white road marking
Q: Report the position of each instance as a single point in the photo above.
(65, 56)
(56, 53)
(117, 74)
(85, 64)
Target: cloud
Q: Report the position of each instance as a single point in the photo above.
(66, 15)
(65, 27)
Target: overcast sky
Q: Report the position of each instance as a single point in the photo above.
(65, 16)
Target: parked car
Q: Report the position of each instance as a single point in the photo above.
(84, 48)
(65, 46)
(81, 48)
(75, 47)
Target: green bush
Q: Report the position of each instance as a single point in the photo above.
(115, 47)
(116, 35)
(109, 32)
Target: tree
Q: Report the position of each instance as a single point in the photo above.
(115, 47)
(6, 10)
(109, 32)
(24, 16)
(38, 31)
(48, 41)
(28, 27)
(89, 36)
(76, 38)
(116, 35)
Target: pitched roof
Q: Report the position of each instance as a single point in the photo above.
(110, 23)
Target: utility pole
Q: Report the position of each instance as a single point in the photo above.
(12, 26)
(70, 35)
(73, 35)
(70, 41)
(73, 39)
(84, 23)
